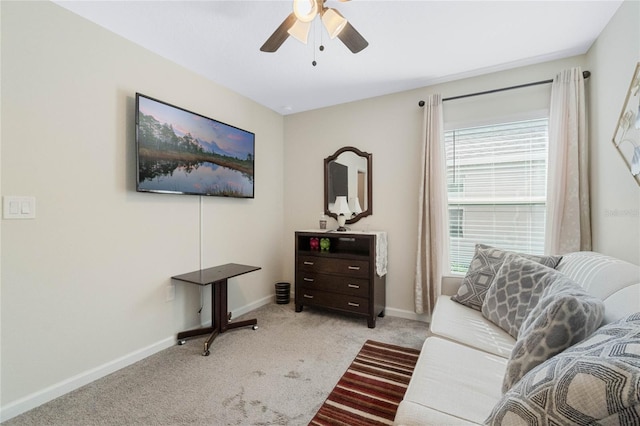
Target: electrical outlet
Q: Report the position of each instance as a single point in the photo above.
(171, 292)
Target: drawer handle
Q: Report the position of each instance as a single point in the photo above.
(356, 305)
(309, 280)
(353, 286)
(308, 296)
(308, 263)
(354, 268)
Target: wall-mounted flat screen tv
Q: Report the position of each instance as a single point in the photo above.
(181, 152)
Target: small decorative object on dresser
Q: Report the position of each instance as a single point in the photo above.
(325, 244)
(349, 277)
(323, 221)
(314, 244)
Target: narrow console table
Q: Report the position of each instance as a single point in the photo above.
(217, 277)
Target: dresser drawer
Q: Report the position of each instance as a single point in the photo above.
(333, 283)
(307, 296)
(328, 265)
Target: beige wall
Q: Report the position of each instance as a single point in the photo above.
(615, 194)
(389, 127)
(84, 284)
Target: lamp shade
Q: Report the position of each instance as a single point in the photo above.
(341, 206)
(354, 205)
(300, 31)
(333, 22)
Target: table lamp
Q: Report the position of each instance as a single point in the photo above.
(354, 205)
(341, 208)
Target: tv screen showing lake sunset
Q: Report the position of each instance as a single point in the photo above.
(181, 152)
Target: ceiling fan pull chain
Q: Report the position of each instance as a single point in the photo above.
(314, 63)
(321, 47)
(321, 40)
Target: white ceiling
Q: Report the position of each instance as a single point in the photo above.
(412, 44)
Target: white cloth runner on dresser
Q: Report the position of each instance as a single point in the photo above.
(381, 253)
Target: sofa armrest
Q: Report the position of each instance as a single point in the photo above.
(450, 284)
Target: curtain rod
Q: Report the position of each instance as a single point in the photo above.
(585, 74)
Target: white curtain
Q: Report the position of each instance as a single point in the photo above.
(433, 225)
(568, 222)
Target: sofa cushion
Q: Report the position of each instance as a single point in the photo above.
(456, 322)
(596, 380)
(413, 414)
(564, 316)
(482, 270)
(518, 285)
(622, 303)
(454, 379)
(598, 274)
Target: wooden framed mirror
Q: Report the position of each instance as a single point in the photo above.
(348, 173)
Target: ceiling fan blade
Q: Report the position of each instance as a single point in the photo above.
(279, 35)
(352, 38)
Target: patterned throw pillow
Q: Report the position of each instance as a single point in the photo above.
(596, 381)
(564, 316)
(515, 291)
(483, 268)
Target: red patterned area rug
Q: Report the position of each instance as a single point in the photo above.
(371, 389)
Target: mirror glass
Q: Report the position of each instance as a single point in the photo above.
(347, 173)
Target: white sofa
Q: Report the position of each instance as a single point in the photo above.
(459, 374)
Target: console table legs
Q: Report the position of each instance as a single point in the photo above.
(208, 343)
(219, 318)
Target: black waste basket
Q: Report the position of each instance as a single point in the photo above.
(283, 291)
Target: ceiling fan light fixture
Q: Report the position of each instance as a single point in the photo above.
(300, 31)
(305, 10)
(298, 25)
(333, 21)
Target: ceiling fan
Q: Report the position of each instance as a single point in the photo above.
(298, 25)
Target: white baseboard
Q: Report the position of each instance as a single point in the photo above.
(253, 306)
(40, 397)
(401, 313)
(247, 308)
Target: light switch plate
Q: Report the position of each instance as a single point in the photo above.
(18, 207)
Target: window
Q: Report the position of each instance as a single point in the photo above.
(455, 223)
(496, 178)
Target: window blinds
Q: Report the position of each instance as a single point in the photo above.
(496, 178)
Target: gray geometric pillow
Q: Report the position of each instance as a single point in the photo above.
(515, 291)
(482, 270)
(596, 381)
(564, 316)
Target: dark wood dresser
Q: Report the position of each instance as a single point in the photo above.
(342, 278)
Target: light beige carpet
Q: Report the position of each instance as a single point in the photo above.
(279, 374)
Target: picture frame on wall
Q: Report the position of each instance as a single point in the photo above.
(626, 137)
